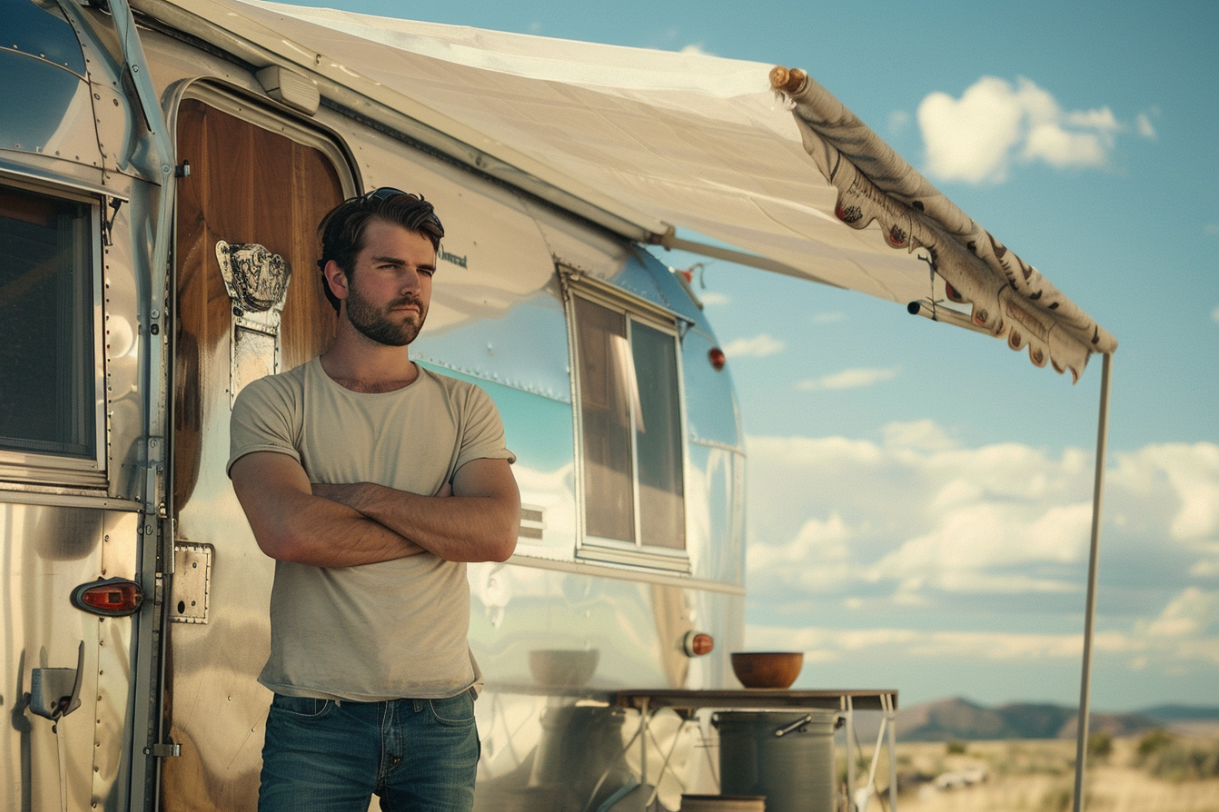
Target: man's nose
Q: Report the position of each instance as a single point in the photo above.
(410, 279)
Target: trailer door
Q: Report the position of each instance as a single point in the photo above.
(257, 188)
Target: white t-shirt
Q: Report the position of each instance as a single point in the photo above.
(380, 631)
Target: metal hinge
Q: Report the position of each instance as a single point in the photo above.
(169, 750)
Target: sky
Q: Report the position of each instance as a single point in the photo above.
(919, 496)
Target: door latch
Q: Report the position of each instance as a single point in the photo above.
(55, 692)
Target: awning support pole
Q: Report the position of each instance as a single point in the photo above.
(1098, 486)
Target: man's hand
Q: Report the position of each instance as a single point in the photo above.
(291, 522)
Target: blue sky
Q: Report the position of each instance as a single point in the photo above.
(920, 495)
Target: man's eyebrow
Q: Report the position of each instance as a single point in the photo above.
(428, 266)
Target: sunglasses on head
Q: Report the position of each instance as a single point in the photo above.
(385, 193)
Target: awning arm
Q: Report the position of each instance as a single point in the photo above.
(1102, 436)
(925, 308)
(669, 241)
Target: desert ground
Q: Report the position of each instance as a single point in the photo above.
(1155, 772)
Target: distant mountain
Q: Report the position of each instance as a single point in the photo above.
(1183, 713)
(960, 719)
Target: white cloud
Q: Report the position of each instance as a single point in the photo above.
(919, 514)
(1208, 565)
(1191, 473)
(1144, 127)
(759, 346)
(1101, 120)
(825, 542)
(1182, 635)
(1190, 614)
(923, 435)
(696, 48)
(900, 644)
(848, 379)
(898, 121)
(976, 138)
(1064, 148)
(923, 536)
(712, 298)
(535, 27)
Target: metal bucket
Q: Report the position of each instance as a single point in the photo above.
(788, 757)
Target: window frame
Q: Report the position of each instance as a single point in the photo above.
(634, 310)
(34, 468)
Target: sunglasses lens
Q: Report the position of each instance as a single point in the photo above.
(386, 192)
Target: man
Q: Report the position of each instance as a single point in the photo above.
(371, 481)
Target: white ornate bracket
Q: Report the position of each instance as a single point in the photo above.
(257, 283)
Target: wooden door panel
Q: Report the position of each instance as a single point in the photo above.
(247, 185)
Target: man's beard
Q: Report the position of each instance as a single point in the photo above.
(380, 327)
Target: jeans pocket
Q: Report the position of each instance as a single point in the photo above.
(301, 707)
(456, 711)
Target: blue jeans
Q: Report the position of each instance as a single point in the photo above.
(327, 756)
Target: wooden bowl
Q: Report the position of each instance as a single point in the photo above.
(767, 669)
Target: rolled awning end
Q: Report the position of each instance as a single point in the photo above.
(788, 80)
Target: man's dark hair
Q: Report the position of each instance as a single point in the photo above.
(342, 229)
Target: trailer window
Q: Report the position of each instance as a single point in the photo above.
(47, 400)
(630, 423)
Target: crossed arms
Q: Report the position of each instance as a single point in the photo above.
(364, 523)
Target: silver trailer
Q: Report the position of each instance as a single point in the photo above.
(121, 363)
(162, 174)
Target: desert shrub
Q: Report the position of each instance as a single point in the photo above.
(955, 748)
(1154, 740)
(1100, 745)
(1058, 799)
(1177, 761)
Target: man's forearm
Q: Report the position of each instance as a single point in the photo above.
(455, 528)
(290, 523)
(324, 533)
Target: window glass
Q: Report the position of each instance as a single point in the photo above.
(631, 417)
(658, 439)
(605, 408)
(46, 326)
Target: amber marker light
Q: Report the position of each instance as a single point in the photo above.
(717, 358)
(115, 597)
(696, 644)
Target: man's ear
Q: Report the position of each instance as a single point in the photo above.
(336, 277)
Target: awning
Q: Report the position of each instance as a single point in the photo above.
(647, 141)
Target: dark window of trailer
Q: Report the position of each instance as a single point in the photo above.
(47, 359)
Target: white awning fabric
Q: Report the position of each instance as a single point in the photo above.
(660, 140)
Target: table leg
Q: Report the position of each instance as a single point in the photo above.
(850, 754)
(891, 715)
(643, 741)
